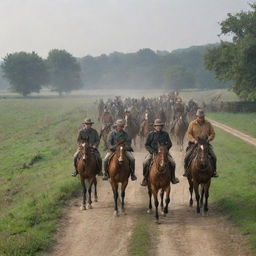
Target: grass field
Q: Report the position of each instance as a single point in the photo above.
(245, 122)
(38, 139)
(235, 190)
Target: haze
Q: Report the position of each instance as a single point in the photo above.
(94, 27)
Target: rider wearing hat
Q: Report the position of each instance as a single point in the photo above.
(155, 137)
(89, 135)
(117, 135)
(197, 129)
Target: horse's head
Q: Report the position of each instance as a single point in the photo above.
(84, 149)
(202, 151)
(162, 154)
(120, 151)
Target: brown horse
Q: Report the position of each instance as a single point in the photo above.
(119, 172)
(87, 169)
(132, 127)
(104, 135)
(159, 180)
(145, 128)
(179, 131)
(200, 171)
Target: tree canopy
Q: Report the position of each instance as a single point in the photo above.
(64, 71)
(236, 61)
(26, 72)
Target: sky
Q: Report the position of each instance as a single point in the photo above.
(94, 27)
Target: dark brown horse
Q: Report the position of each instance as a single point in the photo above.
(200, 171)
(104, 135)
(159, 180)
(179, 130)
(132, 127)
(119, 172)
(145, 128)
(87, 169)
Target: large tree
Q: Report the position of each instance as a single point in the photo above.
(26, 72)
(236, 61)
(64, 71)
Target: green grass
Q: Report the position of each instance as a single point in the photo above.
(140, 241)
(235, 190)
(38, 139)
(245, 122)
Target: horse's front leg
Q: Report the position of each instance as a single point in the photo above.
(162, 201)
(191, 191)
(83, 206)
(124, 185)
(167, 199)
(115, 193)
(90, 193)
(196, 188)
(155, 192)
(150, 198)
(207, 187)
(95, 190)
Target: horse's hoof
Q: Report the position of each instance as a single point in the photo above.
(83, 208)
(95, 200)
(149, 211)
(124, 212)
(157, 222)
(116, 214)
(90, 206)
(162, 213)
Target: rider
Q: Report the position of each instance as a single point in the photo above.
(179, 110)
(155, 137)
(106, 119)
(90, 135)
(118, 134)
(199, 128)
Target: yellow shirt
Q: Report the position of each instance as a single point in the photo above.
(196, 130)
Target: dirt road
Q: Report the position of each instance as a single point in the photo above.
(239, 134)
(97, 232)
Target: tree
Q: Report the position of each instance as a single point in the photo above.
(26, 72)
(178, 77)
(236, 61)
(64, 71)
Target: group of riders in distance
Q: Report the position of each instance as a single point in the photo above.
(151, 120)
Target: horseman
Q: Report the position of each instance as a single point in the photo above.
(197, 129)
(117, 135)
(107, 119)
(154, 138)
(179, 110)
(90, 136)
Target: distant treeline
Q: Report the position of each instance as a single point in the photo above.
(183, 68)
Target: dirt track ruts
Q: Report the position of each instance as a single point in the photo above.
(239, 134)
(97, 232)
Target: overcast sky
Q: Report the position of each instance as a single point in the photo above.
(94, 27)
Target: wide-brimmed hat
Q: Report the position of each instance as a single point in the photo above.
(158, 122)
(119, 122)
(200, 112)
(88, 121)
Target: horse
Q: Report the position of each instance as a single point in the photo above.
(132, 127)
(119, 172)
(200, 171)
(104, 135)
(159, 180)
(87, 169)
(179, 130)
(145, 128)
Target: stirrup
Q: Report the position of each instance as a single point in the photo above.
(175, 181)
(215, 175)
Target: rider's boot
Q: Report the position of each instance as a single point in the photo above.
(174, 180)
(132, 167)
(75, 172)
(105, 176)
(100, 173)
(215, 174)
(145, 174)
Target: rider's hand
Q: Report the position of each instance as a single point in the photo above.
(196, 141)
